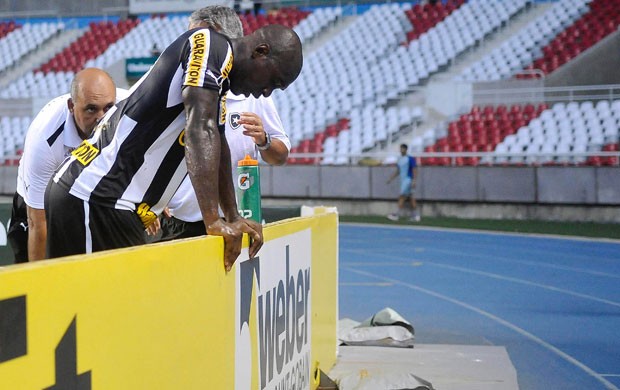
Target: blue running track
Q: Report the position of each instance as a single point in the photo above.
(553, 302)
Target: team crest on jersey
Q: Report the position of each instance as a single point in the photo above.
(85, 153)
(235, 117)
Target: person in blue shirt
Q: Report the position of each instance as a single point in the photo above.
(407, 171)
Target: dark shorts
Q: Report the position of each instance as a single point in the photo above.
(17, 236)
(76, 227)
(173, 228)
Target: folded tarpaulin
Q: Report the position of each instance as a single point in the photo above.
(385, 328)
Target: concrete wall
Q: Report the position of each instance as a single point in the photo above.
(551, 193)
(544, 185)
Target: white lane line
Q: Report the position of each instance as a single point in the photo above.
(526, 282)
(497, 319)
(378, 284)
(534, 263)
(417, 263)
(505, 260)
(481, 231)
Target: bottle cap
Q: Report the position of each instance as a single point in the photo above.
(247, 161)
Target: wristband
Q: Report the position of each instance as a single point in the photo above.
(267, 143)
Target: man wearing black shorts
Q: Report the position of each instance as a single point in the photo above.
(119, 180)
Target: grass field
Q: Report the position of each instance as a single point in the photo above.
(583, 229)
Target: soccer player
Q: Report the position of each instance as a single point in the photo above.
(252, 126)
(406, 168)
(57, 129)
(118, 181)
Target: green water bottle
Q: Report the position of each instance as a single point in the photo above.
(248, 189)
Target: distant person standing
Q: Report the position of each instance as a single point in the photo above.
(406, 168)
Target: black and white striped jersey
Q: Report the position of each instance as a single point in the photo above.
(135, 159)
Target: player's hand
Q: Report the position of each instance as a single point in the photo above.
(253, 127)
(254, 231)
(232, 240)
(233, 235)
(153, 228)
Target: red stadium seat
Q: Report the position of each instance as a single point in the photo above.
(601, 20)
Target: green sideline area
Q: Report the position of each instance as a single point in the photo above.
(583, 229)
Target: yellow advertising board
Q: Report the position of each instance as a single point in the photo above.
(167, 316)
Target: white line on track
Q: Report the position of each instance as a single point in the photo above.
(364, 284)
(510, 260)
(499, 320)
(492, 232)
(417, 263)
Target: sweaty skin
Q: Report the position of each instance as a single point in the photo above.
(202, 139)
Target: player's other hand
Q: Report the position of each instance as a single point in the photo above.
(254, 231)
(154, 227)
(233, 235)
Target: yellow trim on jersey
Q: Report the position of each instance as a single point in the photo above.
(222, 120)
(228, 64)
(85, 153)
(198, 59)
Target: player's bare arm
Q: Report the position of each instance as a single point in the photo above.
(229, 204)
(203, 151)
(37, 233)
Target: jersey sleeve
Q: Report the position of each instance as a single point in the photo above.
(412, 165)
(39, 166)
(207, 60)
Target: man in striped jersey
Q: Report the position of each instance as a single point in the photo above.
(252, 126)
(119, 180)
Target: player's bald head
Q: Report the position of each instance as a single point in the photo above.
(93, 82)
(93, 93)
(285, 47)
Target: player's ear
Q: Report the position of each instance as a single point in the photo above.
(70, 105)
(261, 50)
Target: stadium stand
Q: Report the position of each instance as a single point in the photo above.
(12, 135)
(425, 16)
(39, 84)
(17, 42)
(138, 42)
(601, 20)
(93, 43)
(568, 28)
(529, 132)
(349, 101)
(387, 69)
(287, 16)
(569, 128)
(7, 27)
(316, 22)
(481, 130)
